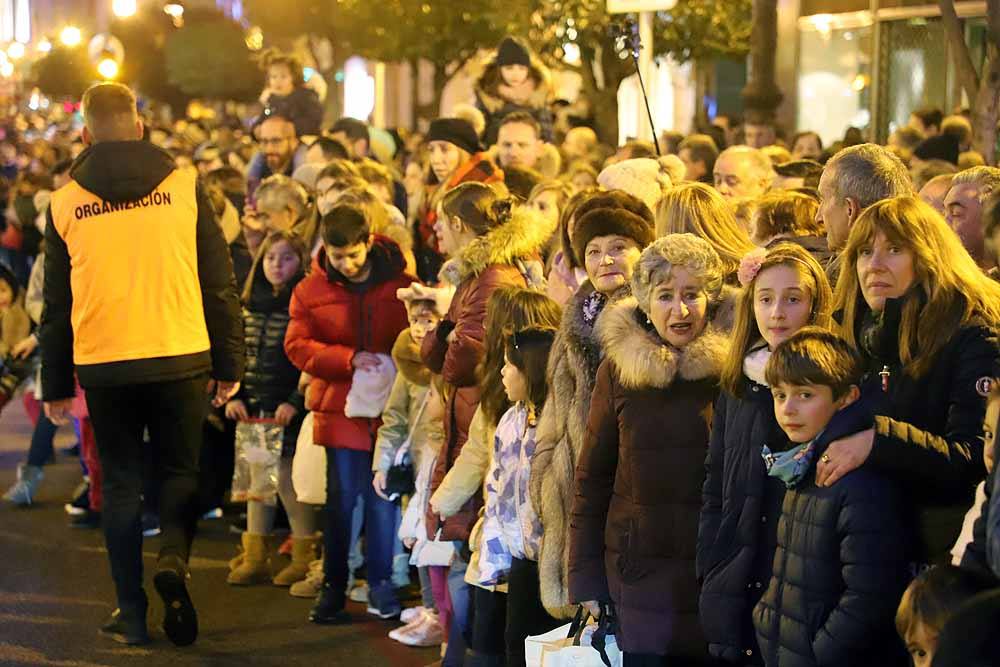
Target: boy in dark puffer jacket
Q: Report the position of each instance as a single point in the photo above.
(840, 566)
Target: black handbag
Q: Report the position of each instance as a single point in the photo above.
(399, 479)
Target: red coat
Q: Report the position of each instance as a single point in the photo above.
(332, 319)
(499, 258)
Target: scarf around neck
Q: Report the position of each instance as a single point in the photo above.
(792, 466)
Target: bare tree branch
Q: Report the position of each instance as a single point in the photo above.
(960, 51)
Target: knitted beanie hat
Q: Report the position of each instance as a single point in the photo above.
(511, 52)
(641, 177)
(455, 131)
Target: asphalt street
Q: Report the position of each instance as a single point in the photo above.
(55, 590)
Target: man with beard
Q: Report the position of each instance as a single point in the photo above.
(281, 152)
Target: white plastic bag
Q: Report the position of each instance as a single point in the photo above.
(370, 389)
(309, 466)
(570, 646)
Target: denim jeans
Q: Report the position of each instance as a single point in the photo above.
(41, 441)
(348, 475)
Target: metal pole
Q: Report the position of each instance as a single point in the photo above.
(644, 67)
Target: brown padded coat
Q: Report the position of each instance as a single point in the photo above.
(634, 524)
(496, 259)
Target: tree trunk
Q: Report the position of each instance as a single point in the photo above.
(985, 112)
(984, 91)
(603, 101)
(761, 95)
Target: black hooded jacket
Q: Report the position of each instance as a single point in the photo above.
(128, 178)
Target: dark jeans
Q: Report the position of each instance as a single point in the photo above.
(489, 618)
(348, 475)
(216, 464)
(40, 452)
(173, 412)
(525, 614)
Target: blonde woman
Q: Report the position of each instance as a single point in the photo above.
(697, 209)
(925, 318)
(282, 204)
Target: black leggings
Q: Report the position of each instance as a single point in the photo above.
(525, 614)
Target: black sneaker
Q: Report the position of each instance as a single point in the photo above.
(86, 520)
(329, 607)
(127, 629)
(180, 620)
(81, 499)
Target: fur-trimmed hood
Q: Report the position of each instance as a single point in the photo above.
(406, 356)
(514, 242)
(486, 74)
(644, 361)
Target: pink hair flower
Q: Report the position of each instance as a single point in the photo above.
(750, 265)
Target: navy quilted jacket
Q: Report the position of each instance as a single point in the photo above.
(839, 570)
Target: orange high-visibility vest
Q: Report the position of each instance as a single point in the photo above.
(134, 277)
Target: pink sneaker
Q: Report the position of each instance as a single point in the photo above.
(427, 632)
(411, 614)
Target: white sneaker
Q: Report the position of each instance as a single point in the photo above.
(427, 632)
(411, 614)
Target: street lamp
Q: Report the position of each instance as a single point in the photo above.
(108, 66)
(71, 36)
(123, 8)
(15, 50)
(44, 46)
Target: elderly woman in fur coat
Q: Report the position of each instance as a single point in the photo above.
(634, 523)
(609, 234)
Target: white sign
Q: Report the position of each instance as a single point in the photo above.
(628, 6)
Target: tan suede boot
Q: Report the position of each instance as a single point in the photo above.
(303, 553)
(256, 566)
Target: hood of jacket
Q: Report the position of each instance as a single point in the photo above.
(385, 256)
(644, 361)
(487, 76)
(521, 238)
(406, 356)
(120, 171)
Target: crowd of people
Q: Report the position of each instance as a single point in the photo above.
(737, 402)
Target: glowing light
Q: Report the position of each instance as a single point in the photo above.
(44, 46)
(71, 36)
(860, 82)
(359, 90)
(15, 50)
(107, 68)
(255, 38)
(7, 69)
(123, 8)
(174, 9)
(571, 53)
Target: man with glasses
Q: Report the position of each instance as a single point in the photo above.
(281, 152)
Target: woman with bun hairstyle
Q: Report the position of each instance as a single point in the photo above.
(634, 518)
(926, 319)
(493, 244)
(286, 93)
(610, 231)
(784, 289)
(514, 80)
(455, 156)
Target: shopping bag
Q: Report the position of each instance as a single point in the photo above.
(583, 645)
(309, 466)
(258, 457)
